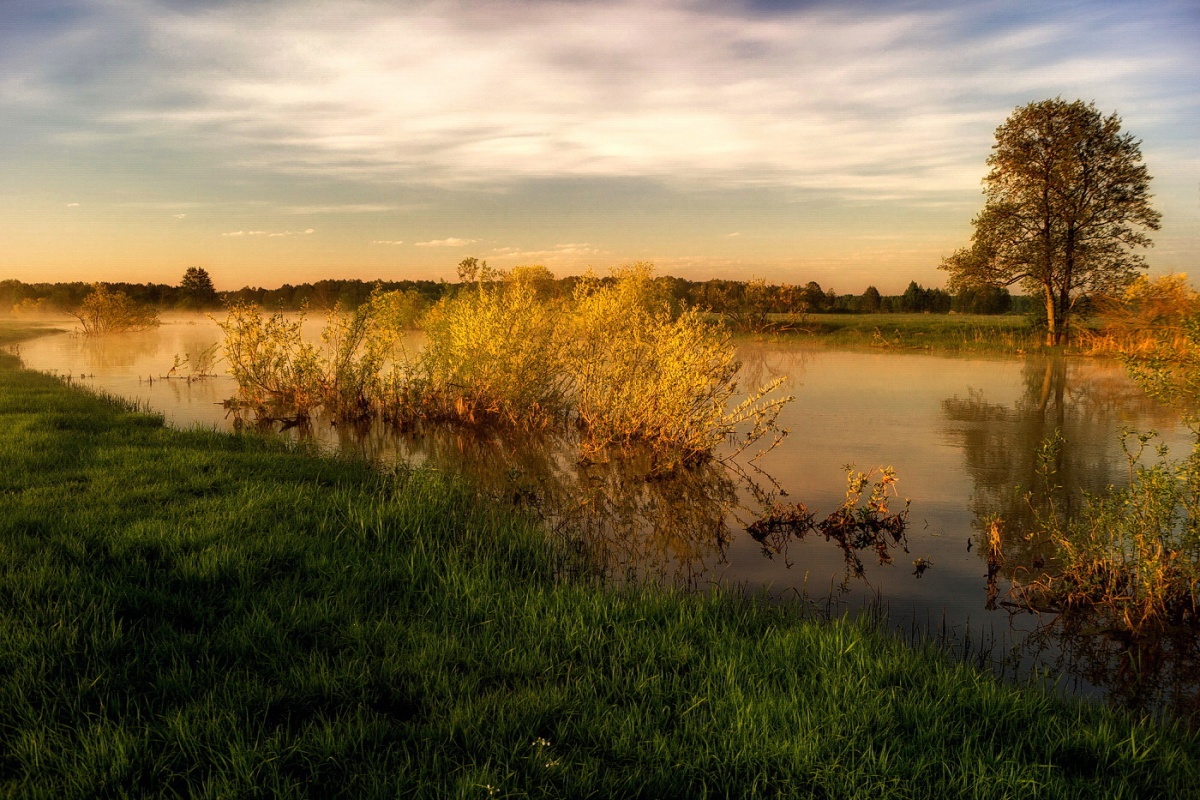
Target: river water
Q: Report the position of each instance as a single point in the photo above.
(962, 433)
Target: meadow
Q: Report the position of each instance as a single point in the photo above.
(198, 614)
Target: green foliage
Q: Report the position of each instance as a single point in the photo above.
(189, 614)
(196, 290)
(918, 299)
(280, 373)
(982, 300)
(105, 311)
(1067, 196)
(870, 301)
(1130, 555)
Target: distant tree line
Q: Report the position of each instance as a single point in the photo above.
(741, 300)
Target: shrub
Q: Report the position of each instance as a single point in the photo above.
(105, 311)
(613, 358)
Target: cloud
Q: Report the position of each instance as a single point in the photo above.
(179, 216)
(885, 101)
(347, 208)
(451, 242)
(559, 254)
(72, 205)
(731, 235)
(270, 234)
(387, 241)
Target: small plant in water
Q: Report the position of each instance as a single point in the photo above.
(857, 524)
(1131, 555)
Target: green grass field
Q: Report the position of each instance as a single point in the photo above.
(193, 614)
(1008, 334)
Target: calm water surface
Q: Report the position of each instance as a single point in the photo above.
(962, 433)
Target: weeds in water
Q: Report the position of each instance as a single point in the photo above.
(858, 524)
(1129, 556)
(197, 365)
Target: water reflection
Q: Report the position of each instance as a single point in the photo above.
(1015, 475)
(1034, 456)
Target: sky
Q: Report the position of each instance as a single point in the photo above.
(283, 142)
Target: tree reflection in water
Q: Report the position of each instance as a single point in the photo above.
(1060, 437)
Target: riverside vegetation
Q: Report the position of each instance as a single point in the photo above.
(1131, 555)
(196, 614)
(612, 360)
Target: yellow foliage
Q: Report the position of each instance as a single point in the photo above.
(613, 358)
(105, 311)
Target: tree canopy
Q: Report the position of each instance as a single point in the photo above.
(196, 289)
(1067, 201)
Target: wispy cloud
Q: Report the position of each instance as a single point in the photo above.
(562, 254)
(451, 242)
(387, 241)
(345, 208)
(883, 101)
(72, 205)
(179, 216)
(270, 234)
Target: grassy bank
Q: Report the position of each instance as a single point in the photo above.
(194, 614)
(1007, 334)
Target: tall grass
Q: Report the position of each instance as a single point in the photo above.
(189, 614)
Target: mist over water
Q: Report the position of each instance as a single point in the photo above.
(961, 432)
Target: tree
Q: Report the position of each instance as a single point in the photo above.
(1067, 196)
(870, 301)
(196, 289)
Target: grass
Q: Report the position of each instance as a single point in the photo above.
(966, 332)
(187, 613)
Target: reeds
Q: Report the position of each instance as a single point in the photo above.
(1129, 556)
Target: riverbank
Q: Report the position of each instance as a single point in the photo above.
(975, 333)
(191, 613)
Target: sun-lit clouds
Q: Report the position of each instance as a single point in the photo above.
(750, 137)
(345, 208)
(387, 241)
(72, 205)
(888, 104)
(451, 242)
(570, 254)
(270, 234)
(179, 216)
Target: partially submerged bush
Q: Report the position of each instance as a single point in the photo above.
(105, 311)
(641, 375)
(493, 352)
(1130, 554)
(613, 359)
(1150, 316)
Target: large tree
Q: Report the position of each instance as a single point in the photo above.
(196, 289)
(1067, 201)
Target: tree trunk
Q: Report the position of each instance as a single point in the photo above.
(1052, 332)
